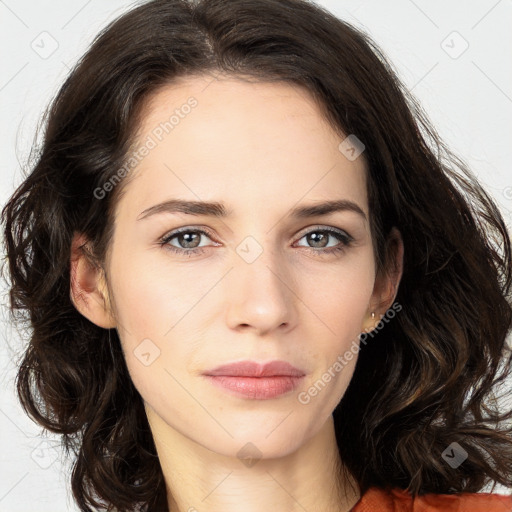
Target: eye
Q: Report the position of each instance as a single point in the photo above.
(188, 241)
(319, 237)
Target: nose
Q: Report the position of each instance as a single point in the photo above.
(260, 295)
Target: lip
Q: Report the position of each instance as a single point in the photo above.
(254, 369)
(257, 381)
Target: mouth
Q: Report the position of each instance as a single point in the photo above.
(249, 379)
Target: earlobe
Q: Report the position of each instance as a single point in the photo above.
(88, 290)
(369, 322)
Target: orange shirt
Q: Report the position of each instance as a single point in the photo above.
(399, 500)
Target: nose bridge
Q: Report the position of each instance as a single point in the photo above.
(262, 263)
(260, 294)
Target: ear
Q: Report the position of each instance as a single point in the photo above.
(88, 290)
(387, 281)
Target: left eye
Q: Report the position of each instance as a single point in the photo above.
(321, 236)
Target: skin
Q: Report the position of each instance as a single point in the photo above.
(262, 149)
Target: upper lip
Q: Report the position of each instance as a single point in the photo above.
(254, 369)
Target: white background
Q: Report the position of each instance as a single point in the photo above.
(468, 98)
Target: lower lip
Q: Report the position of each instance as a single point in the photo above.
(257, 388)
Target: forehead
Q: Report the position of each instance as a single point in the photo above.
(253, 141)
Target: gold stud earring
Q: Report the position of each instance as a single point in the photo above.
(373, 315)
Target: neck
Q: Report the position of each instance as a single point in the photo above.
(198, 479)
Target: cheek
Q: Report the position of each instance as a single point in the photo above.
(344, 296)
(146, 311)
(150, 299)
(341, 310)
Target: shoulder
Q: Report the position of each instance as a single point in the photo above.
(399, 500)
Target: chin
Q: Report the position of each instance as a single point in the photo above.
(268, 440)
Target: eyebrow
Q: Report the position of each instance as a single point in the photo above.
(215, 209)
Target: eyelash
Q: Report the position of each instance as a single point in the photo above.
(345, 239)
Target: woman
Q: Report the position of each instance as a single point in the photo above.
(255, 277)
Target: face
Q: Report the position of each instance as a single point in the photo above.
(193, 291)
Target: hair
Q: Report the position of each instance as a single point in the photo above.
(429, 376)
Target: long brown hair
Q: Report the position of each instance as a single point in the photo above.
(426, 379)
